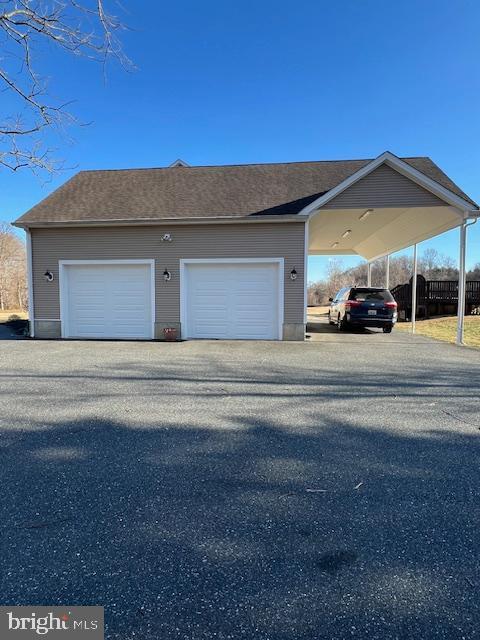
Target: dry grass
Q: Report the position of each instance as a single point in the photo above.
(5, 315)
(446, 329)
(317, 311)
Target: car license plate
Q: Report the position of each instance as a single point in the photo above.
(372, 312)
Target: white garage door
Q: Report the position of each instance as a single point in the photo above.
(232, 300)
(107, 301)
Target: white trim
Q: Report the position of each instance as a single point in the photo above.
(48, 319)
(184, 291)
(120, 261)
(402, 167)
(305, 271)
(159, 222)
(31, 310)
(62, 280)
(178, 163)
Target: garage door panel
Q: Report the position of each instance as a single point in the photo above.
(232, 300)
(108, 301)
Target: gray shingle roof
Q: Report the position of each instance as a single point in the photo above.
(202, 192)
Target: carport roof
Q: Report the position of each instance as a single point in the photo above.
(203, 192)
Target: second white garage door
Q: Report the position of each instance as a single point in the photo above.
(239, 300)
(107, 300)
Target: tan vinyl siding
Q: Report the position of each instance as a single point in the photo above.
(269, 240)
(384, 187)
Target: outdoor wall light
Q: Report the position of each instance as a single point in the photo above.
(346, 233)
(335, 244)
(167, 276)
(365, 214)
(293, 274)
(48, 275)
(167, 237)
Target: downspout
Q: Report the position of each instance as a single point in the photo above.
(31, 315)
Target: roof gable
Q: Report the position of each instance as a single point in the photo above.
(439, 185)
(179, 163)
(384, 187)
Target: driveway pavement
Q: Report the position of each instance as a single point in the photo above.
(6, 333)
(283, 491)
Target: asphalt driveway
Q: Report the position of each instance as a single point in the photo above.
(283, 491)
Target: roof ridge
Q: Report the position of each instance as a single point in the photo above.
(247, 164)
(222, 166)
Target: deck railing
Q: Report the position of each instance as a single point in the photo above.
(434, 296)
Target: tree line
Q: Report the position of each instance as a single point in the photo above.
(13, 270)
(431, 264)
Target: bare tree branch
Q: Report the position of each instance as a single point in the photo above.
(84, 29)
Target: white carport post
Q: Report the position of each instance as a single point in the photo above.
(414, 287)
(387, 272)
(369, 274)
(461, 283)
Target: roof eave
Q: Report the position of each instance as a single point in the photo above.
(128, 222)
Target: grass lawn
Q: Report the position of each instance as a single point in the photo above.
(446, 329)
(5, 315)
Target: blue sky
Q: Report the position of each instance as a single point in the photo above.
(220, 82)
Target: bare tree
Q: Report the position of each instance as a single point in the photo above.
(317, 293)
(13, 284)
(432, 264)
(437, 266)
(81, 28)
(474, 273)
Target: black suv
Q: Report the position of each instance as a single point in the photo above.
(363, 307)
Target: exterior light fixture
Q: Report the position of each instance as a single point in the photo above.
(167, 237)
(335, 244)
(167, 276)
(48, 275)
(293, 274)
(365, 214)
(346, 233)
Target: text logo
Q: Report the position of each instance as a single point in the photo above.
(58, 623)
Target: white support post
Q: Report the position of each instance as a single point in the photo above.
(369, 274)
(305, 274)
(387, 273)
(414, 287)
(461, 283)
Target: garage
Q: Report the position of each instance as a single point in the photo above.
(107, 299)
(232, 299)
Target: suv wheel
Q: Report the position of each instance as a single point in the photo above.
(341, 324)
(387, 329)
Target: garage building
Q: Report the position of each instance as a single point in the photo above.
(218, 251)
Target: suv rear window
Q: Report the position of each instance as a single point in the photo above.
(371, 294)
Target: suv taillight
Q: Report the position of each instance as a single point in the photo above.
(352, 303)
(391, 305)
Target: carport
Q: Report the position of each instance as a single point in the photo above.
(386, 206)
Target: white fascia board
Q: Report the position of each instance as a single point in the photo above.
(402, 167)
(158, 222)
